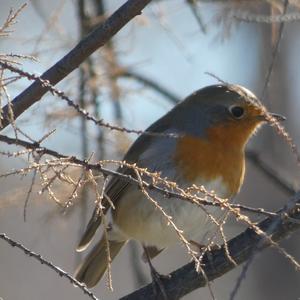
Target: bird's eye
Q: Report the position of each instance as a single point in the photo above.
(237, 111)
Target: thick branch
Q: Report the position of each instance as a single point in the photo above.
(216, 263)
(76, 56)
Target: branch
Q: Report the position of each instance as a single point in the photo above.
(35, 146)
(149, 83)
(215, 262)
(82, 112)
(193, 5)
(257, 18)
(49, 264)
(269, 172)
(75, 57)
(274, 52)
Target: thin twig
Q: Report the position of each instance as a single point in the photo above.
(195, 10)
(257, 18)
(241, 277)
(49, 264)
(270, 172)
(174, 99)
(127, 178)
(82, 112)
(274, 53)
(28, 195)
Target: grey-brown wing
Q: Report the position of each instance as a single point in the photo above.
(118, 186)
(115, 188)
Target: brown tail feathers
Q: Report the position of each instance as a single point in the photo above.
(90, 231)
(91, 270)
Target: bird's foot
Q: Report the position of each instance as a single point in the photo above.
(204, 248)
(157, 283)
(157, 278)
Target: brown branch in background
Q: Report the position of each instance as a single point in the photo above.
(75, 57)
(270, 173)
(82, 85)
(174, 99)
(49, 264)
(100, 16)
(82, 92)
(28, 195)
(275, 52)
(195, 10)
(257, 18)
(185, 279)
(241, 278)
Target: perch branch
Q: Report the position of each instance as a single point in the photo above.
(215, 262)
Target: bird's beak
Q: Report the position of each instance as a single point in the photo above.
(277, 117)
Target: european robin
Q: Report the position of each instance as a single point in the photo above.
(213, 126)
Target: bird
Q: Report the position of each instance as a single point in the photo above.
(212, 127)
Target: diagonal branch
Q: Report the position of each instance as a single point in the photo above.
(174, 99)
(270, 173)
(49, 264)
(75, 57)
(185, 279)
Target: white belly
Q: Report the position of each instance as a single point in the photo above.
(140, 219)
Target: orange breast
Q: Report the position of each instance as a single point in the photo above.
(219, 154)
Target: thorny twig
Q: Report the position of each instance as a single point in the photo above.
(10, 20)
(75, 161)
(79, 110)
(74, 193)
(49, 264)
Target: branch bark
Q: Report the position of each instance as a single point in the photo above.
(75, 57)
(215, 263)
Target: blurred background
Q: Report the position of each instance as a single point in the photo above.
(158, 59)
